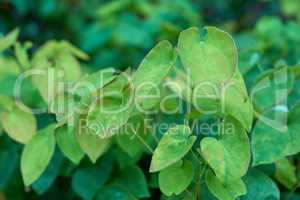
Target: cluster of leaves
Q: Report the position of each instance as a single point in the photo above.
(45, 153)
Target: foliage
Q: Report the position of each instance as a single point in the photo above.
(209, 114)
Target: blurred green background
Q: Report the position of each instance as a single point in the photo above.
(119, 33)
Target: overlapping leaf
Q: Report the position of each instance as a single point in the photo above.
(228, 156)
(37, 154)
(175, 144)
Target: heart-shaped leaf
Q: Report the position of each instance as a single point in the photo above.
(175, 144)
(180, 173)
(212, 57)
(211, 62)
(229, 156)
(228, 191)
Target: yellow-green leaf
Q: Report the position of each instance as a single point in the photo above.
(37, 154)
(18, 124)
(174, 145)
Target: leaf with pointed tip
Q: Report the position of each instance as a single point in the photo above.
(180, 173)
(229, 156)
(37, 154)
(19, 125)
(134, 181)
(9, 39)
(154, 68)
(93, 145)
(235, 98)
(229, 191)
(174, 145)
(74, 50)
(68, 144)
(22, 55)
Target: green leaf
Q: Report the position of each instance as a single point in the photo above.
(9, 160)
(228, 191)
(89, 84)
(131, 139)
(180, 173)
(92, 175)
(289, 7)
(124, 160)
(272, 88)
(107, 115)
(229, 156)
(133, 180)
(211, 58)
(114, 192)
(74, 50)
(110, 8)
(37, 154)
(236, 97)
(55, 65)
(46, 180)
(260, 187)
(8, 40)
(174, 145)
(211, 62)
(93, 145)
(273, 139)
(153, 69)
(68, 144)
(6, 103)
(286, 173)
(22, 55)
(18, 124)
(69, 64)
(63, 106)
